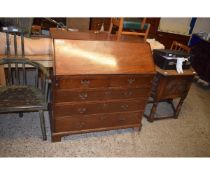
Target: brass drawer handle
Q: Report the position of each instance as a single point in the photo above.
(131, 80)
(103, 118)
(122, 119)
(81, 125)
(83, 95)
(82, 110)
(57, 83)
(128, 93)
(107, 93)
(125, 106)
(105, 105)
(85, 82)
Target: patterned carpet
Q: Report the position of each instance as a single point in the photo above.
(187, 136)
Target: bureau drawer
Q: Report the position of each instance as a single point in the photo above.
(65, 95)
(68, 109)
(78, 123)
(84, 82)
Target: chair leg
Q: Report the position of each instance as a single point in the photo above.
(42, 123)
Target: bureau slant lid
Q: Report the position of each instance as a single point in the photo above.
(82, 57)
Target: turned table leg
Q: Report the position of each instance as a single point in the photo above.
(178, 108)
(152, 112)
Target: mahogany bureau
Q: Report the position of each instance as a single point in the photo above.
(99, 85)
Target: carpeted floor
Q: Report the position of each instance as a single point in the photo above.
(188, 136)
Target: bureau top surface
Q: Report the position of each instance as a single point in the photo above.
(82, 57)
(91, 35)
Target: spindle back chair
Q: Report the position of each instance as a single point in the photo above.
(27, 83)
(21, 94)
(180, 47)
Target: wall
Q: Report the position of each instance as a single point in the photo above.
(202, 25)
(175, 25)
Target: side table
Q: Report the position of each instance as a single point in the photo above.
(168, 85)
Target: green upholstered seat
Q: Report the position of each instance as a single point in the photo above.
(133, 25)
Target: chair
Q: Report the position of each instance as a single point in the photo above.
(180, 47)
(21, 95)
(27, 84)
(126, 27)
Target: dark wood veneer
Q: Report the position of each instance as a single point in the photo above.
(99, 85)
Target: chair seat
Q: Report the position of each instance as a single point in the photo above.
(133, 25)
(19, 98)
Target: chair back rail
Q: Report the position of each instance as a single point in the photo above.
(14, 32)
(180, 47)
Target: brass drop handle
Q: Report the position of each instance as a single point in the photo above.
(107, 93)
(85, 82)
(103, 117)
(128, 93)
(82, 110)
(122, 119)
(105, 105)
(131, 80)
(83, 95)
(56, 83)
(124, 106)
(81, 125)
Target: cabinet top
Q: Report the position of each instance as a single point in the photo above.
(82, 57)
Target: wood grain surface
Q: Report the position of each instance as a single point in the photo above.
(79, 57)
